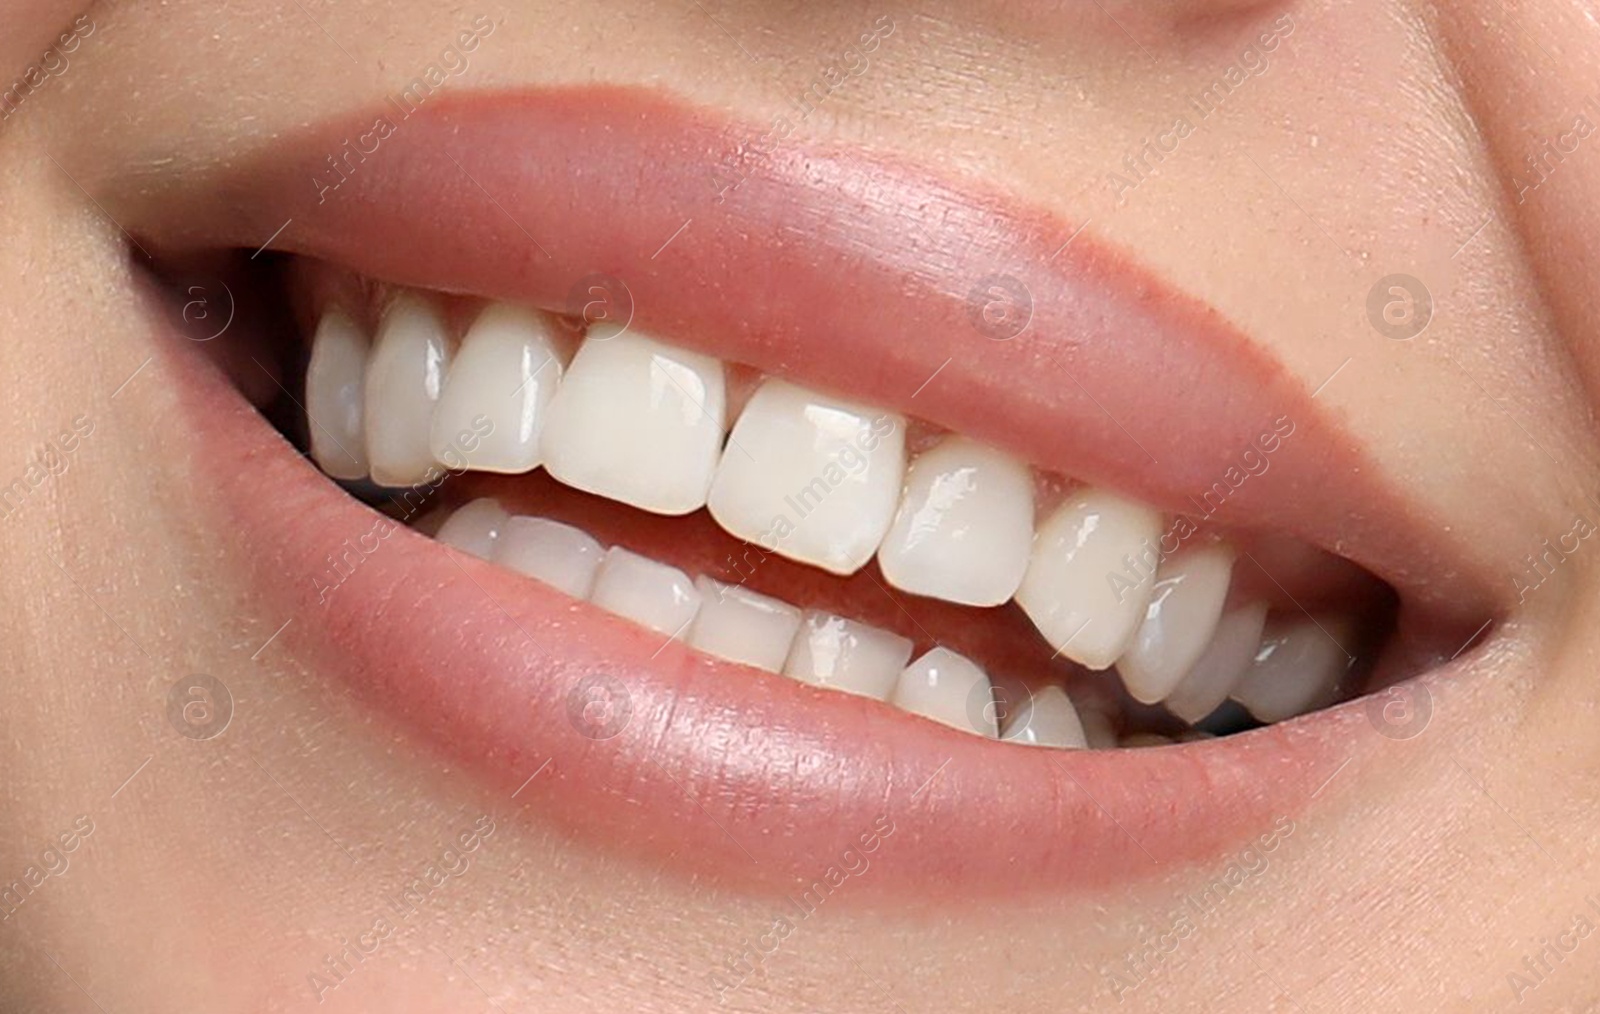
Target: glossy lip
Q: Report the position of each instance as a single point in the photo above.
(725, 771)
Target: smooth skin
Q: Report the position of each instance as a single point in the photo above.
(1382, 138)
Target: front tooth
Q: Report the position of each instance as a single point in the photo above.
(1212, 678)
(810, 478)
(1048, 720)
(564, 557)
(1296, 669)
(637, 421)
(831, 651)
(654, 594)
(1083, 589)
(474, 528)
(405, 376)
(335, 397)
(964, 527)
(947, 688)
(1179, 622)
(501, 382)
(741, 626)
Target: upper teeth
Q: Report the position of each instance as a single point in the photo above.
(1179, 621)
(637, 421)
(507, 371)
(1069, 591)
(336, 397)
(964, 529)
(810, 477)
(405, 376)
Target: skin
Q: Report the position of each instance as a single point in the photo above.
(1379, 141)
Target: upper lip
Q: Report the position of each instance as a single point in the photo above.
(852, 272)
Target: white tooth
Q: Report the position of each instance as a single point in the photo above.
(810, 478)
(964, 527)
(637, 421)
(501, 381)
(1078, 591)
(564, 557)
(741, 626)
(1049, 720)
(654, 594)
(1098, 729)
(831, 651)
(1211, 679)
(1184, 608)
(1296, 669)
(405, 376)
(947, 688)
(335, 386)
(474, 528)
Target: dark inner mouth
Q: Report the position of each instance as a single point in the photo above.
(276, 302)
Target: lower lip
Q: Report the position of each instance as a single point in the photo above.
(718, 771)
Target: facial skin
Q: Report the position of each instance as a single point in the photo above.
(1372, 139)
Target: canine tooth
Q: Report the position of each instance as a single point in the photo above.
(505, 373)
(1211, 679)
(645, 591)
(831, 651)
(474, 528)
(637, 421)
(1296, 669)
(943, 686)
(810, 478)
(405, 376)
(1049, 720)
(964, 527)
(1185, 605)
(335, 397)
(1077, 591)
(741, 626)
(564, 557)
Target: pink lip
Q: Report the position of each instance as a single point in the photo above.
(850, 273)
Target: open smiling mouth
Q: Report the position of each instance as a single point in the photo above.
(726, 529)
(1061, 580)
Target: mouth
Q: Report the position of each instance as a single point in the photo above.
(724, 523)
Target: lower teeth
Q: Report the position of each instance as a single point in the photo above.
(1281, 669)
